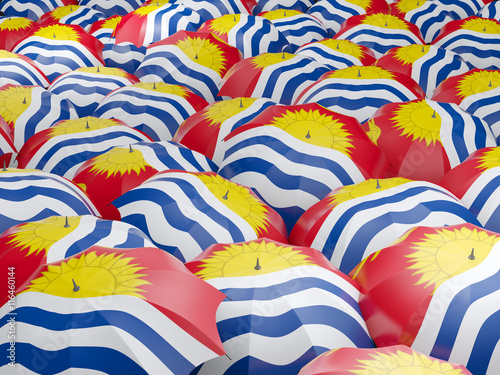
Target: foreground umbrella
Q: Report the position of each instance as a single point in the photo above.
(33, 11)
(80, 15)
(20, 70)
(436, 291)
(12, 29)
(104, 304)
(285, 306)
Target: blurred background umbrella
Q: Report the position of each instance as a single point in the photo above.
(28, 9)
(357, 220)
(80, 15)
(20, 70)
(12, 29)
(112, 7)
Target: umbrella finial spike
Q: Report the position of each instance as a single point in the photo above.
(423, 48)
(154, 85)
(257, 266)
(484, 29)
(385, 24)
(225, 197)
(434, 114)
(87, 125)
(98, 69)
(418, 3)
(24, 100)
(378, 185)
(54, 35)
(130, 149)
(241, 103)
(66, 224)
(359, 73)
(4, 169)
(196, 56)
(308, 135)
(338, 45)
(283, 56)
(489, 84)
(471, 256)
(76, 288)
(234, 18)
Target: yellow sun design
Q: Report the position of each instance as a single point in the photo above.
(58, 31)
(361, 72)
(8, 55)
(404, 363)
(280, 14)
(83, 124)
(374, 131)
(387, 21)
(95, 275)
(478, 82)
(482, 25)
(241, 260)
(202, 51)
(222, 25)
(164, 88)
(404, 6)
(40, 235)
(63, 11)
(344, 46)
(409, 54)
(447, 253)
(267, 59)
(18, 170)
(111, 23)
(14, 101)
(418, 120)
(315, 128)
(15, 23)
(145, 10)
(119, 160)
(219, 112)
(362, 3)
(116, 72)
(490, 159)
(238, 199)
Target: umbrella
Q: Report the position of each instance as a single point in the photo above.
(474, 38)
(297, 27)
(337, 54)
(12, 29)
(252, 35)
(20, 70)
(30, 9)
(333, 13)
(358, 91)
(30, 109)
(58, 49)
(423, 139)
(277, 76)
(210, 9)
(293, 156)
(380, 32)
(107, 176)
(30, 195)
(285, 306)
(398, 359)
(195, 60)
(463, 8)
(185, 212)
(427, 65)
(80, 15)
(436, 291)
(157, 108)
(476, 92)
(205, 130)
(354, 221)
(490, 10)
(85, 88)
(7, 149)
(112, 7)
(267, 5)
(136, 311)
(67, 144)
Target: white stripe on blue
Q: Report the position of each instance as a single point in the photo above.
(113, 7)
(82, 16)
(485, 106)
(327, 56)
(126, 56)
(333, 13)
(267, 5)
(28, 8)
(214, 8)
(19, 72)
(461, 9)
(490, 10)
(430, 17)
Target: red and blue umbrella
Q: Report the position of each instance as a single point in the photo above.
(80, 15)
(20, 70)
(12, 29)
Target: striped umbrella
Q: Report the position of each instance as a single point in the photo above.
(210, 9)
(30, 9)
(196, 60)
(157, 108)
(337, 54)
(423, 139)
(474, 38)
(354, 221)
(252, 35)
(476, 92)
(205, 130)
(436, 290)
(463, 8)
(490, 10)
(80, 15)
(293, 156)
(31, 195)
(20, 70)
(109, 175)
(358, 91)
(285, 306)
(58, 49)
(267, 5)
(277, 76)
(111, 8)
(85, 88)
(137, 311)
(380, 32)
(185, 212)
(67, 144)
(12, 29)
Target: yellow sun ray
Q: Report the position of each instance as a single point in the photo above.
(344, 46)
(490, 159)
(387, 21)
(63, 11)
(14, 101)
(202, 51)
(222, 25)
(361, 72)
(267, 59)
(58, 31)
(362, 3)
(409, 54)
(15, 23)
(164, 88)
(281, 13)
(404, 6)
(219, 112)
(478, 82)
(373, 132)
(119, 161)
(83, 124)
(8, 55)
(144, 11)
(418, 120)
(110, 23)
(482, 25)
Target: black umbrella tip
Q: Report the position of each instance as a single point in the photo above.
(471, 255)
(66, 224)
(257, 266)
(76, 288)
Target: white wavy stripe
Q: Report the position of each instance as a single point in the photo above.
(434, 29)
(21, 8)
(331, 9)
(306, 21)
(122, 58)
(152, 159)
(483, 45)
(82, 100)
(444, 294)
(475, 189)
(310, 52)
(98, 80)
(256, 28)
(214, 11)
(120, 233)
(484, 109)
(167, 12)
(125, 4)
(27, 209)
(20, 66)
(73, 371)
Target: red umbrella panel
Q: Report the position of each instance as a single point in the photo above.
(80, 15)
(12, 29)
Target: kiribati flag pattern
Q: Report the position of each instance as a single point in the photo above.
(31, 10)
(112, 8)
(490, 10)
(73, 15)
(267, 5)
(215, 8)
(20, 70)
(463, 8)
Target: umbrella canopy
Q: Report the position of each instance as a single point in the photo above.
(12, 29)
(112, 7)
(20, 70)
(490, 10)
(67, 144)
(185, 212)
(85, 88)
(156, 108)
(436, 291)
(267, 5)
(80, 15)
(195, 60)
(380, 32)
(31, 10)
(464, 8)
(423, 139)
(30, 195)
(252, 35)
(277, 76)
(285, 306)
(107, 176)
(474, 38)
(210, 9)
(358, 91)
(116, 310)
(355, 221)
(205, 130)
(58, 49)
(7, 149)
(476, 92)
(337, 54)
(293, 156)
(427, 65)
(398, 359)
